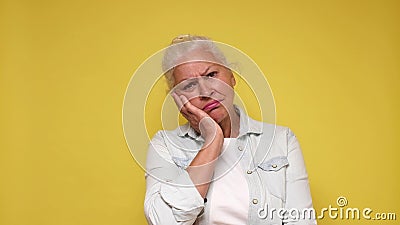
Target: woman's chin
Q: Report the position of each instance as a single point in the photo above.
(218, 114)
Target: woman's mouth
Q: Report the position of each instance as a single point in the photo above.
(212, 105)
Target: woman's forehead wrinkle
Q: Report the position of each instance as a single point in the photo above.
(206, 70)
(195, 70)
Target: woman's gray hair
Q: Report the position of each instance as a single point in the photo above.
(181, 46)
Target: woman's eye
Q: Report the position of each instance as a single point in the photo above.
(212, 74)
(189, 86)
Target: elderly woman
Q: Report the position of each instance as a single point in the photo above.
(222, 167)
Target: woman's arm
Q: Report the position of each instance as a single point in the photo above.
(167, 200)
(171, 197)
(297, 187)
(202, 167)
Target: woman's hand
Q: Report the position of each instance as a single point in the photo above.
(202, 167)
(199, 120)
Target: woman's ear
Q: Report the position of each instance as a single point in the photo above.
(233, 80)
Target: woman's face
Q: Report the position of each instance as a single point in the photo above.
(208, 86)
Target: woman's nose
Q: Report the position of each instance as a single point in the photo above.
(205, 89)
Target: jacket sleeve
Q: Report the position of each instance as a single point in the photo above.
(298, 196)
(171, 197)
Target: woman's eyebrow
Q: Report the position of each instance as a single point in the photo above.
(206, 71)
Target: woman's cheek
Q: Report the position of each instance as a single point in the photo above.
(227, 92)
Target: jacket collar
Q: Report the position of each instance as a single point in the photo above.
(247, 126)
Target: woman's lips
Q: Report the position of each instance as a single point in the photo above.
(212, 105)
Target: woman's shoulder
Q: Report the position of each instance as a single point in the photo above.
(175, 134)
(275, 129)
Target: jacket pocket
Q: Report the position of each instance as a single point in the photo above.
(274, 164)
(274, 172)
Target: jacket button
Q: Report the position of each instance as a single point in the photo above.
(255, 201)
(240, 148)
(274, 166)
(249, 172)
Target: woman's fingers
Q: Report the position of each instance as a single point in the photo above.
(191, 108)
(180, 103)
(184, 100)
(193, 114)
(177, 100)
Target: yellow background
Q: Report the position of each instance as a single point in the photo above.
(333, 67)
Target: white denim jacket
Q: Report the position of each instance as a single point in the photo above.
(272, 162)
